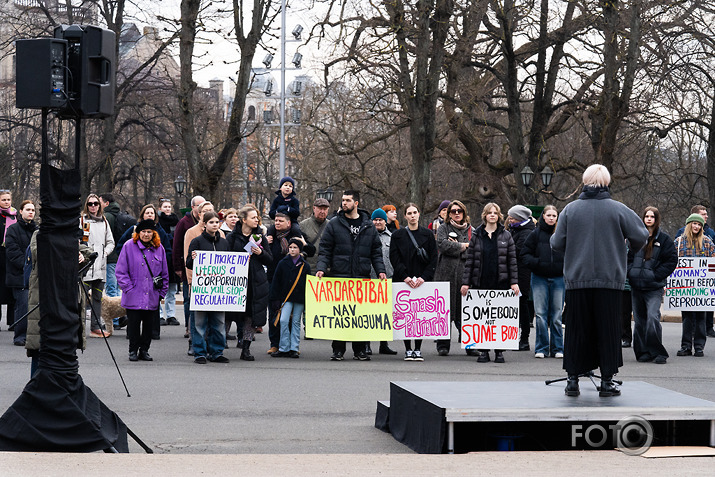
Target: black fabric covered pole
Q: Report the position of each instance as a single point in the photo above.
(56, 412)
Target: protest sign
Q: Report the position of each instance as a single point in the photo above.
(219, 281)
(348, 309)
(691, 287)
(490, 320)
(422, 312)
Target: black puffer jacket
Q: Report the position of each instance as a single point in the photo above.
(537, 254)
(258, 289)
(17, 240)
(506, 250)
(343, 256)
(205, 242)
(651, 274)
(520, 233)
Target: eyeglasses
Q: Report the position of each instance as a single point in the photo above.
(92, 204)
(456, 211)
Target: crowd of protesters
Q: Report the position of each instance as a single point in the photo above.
(557, 265)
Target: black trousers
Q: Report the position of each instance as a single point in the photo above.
(526, 315)
(342, 345)
(626, 315)
(694, 333)
(140, 327)
(593, 335)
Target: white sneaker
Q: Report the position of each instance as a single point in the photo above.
(409, 356)
(559, 355)
(417, 355)
(539, 355)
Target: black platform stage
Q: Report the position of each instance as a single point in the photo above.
(447, 417)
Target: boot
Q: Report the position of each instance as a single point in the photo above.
(498, 356)
(608, 387)
(483, 357)
(572, 386)
(246, 351)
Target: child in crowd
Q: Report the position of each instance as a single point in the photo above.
(288, 287)
(286, 200)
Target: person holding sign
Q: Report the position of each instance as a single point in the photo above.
(413, 254)
(249, 238)
(452, 242)
(648, 270)
(595, 232)
(208, 337)
(143, 275)
(491, 263)
(288, 288)
(694, 243)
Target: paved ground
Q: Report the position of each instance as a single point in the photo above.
(306, 416)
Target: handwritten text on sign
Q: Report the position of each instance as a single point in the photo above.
(691, 287)
(422, 312)
(348, 309)
(219, 281)
(490, 319)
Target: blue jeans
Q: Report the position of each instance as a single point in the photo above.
(290, 326)
(548, 296)
(110, 286)
(168, 309)
(208, 336)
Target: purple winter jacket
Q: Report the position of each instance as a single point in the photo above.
(138, 292)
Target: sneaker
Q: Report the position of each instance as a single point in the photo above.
(539, 355)
(145, 356)
(524, 346)
(361, 356)
(220, 359)
(171, 321)
(337, 356)
(684, 352)
(559, 355)
(162, 322)
(417, 355)
(660, 360)
(200, 360)
(408, 356)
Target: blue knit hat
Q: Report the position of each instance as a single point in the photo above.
(379, 214)
(286, 179)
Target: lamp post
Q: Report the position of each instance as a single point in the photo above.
(527, 176)
(180, 186)
(326, 194)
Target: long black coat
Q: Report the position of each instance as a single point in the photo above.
(344, 257)
(258, 289)
(538, 255)
(284, 278)
(17, 240)
(403, 255)
(651, 274)
(506, 250)
(520, 233)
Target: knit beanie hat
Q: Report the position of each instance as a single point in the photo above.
(144, 225)
(695, 218)
(286, 179)
(379, 214)
(443, 205)
(299, 243)
(520, 213)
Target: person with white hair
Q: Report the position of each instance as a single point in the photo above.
(595, 233)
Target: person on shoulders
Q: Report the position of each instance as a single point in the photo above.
(286, 200)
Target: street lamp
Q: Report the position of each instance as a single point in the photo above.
(526, 176)
(546, 175)
(180, 185)
(326, 194)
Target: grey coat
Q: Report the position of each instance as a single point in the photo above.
(450, 265)
(385, 239)
(312, 232)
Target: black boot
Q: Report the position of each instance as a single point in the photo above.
(572, 386)
(385, 349)
(246, 351)
(608, 387)
(483, 357)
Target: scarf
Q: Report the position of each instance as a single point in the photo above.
(458, 226)
(10, 218)
(98, 218)
(283, 237)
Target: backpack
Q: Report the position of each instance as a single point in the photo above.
(122, 222)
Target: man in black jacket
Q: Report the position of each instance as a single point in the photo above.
(348, 248)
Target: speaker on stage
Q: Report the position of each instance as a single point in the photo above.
(41, 73)
(91, 64)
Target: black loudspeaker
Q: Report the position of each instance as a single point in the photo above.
(41, 73)
(91, 62)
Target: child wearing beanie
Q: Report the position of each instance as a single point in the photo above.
(286, 200)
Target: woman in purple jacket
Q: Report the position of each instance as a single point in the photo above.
(143, 276)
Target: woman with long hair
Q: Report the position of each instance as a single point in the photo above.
(143, 275)
(453, 242)
(547, 285)
(392, 223)
(8, 216)
(491, 263)
(97, 235)
(694, 243)
(648, 269)
(247, 231)
(409, 267)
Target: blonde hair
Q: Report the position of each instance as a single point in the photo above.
(693, 240)
(596, 175)
(489, 207)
